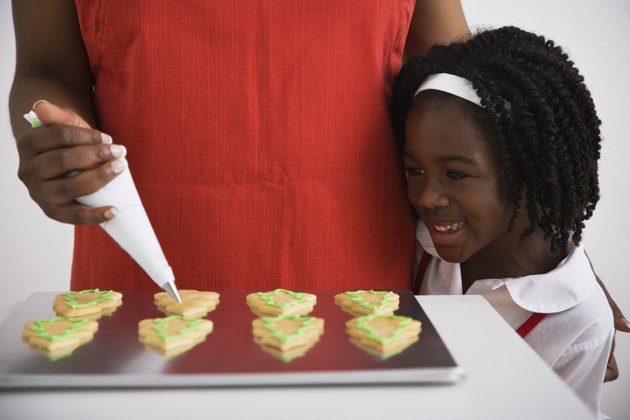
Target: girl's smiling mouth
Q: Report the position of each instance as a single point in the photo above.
(446, 233)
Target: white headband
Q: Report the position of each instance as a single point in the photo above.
(452, 84)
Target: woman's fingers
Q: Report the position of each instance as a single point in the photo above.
(64, 190)
(622, 324)
(50, 114)
(612, 371)
(35, 141)
(64, 159)
(58, 162)
(77, 214)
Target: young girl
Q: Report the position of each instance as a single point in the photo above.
(500, 142)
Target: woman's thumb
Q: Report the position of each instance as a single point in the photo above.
(49, 113)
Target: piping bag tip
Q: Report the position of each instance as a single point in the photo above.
(171, 289)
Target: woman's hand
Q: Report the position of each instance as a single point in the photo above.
(64, 159)
(621, 324)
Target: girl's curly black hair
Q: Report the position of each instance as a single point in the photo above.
(542, 118)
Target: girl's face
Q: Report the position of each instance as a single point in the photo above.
(454, 182)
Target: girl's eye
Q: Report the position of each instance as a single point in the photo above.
(414, 171)
(454, 175)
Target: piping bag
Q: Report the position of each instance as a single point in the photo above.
(131, 227)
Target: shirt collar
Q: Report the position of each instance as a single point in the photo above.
(424, 238)
(566, 286)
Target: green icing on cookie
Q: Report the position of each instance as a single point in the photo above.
(161, 324)
(386, 298)
(363, 323)
(71, 298)
(268, 298)
(39, 327)
(269, 323)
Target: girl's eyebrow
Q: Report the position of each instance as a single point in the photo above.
(458, 158)
(441, 159)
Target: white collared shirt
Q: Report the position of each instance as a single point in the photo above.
(576, 335)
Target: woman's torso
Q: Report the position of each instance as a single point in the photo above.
(258, 137)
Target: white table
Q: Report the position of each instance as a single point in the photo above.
(505, 380)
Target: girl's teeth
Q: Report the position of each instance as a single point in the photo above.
(448, 228)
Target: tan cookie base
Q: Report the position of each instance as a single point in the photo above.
(63, 346)
(383, 327)
(194, 305)
(61, 308)
(149, 335)
(287, 327)
(261, 308)
(372, 298)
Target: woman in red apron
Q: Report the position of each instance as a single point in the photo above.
(257, 134)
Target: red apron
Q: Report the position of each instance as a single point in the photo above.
(523, 330)
(258, 136)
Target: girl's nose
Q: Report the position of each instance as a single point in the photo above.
(429, 195)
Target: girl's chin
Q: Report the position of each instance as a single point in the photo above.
(451, 255)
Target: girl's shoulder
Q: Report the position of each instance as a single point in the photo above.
(593, 318)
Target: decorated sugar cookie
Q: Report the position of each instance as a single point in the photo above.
(383, 334)
(58, 336)
(287, 332)
(281, 302)
(93, 302)
(174, 333)
(366, 302)
(288, 355)
(195, 304)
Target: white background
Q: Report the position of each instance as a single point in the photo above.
(35, 253)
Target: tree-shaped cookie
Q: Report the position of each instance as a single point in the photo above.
(87, 303)
(195, 304)
(173, 334)
(368, 302)
(286, 332)
(60, 336)
(287, 337)
(281, 302)
(384, 335)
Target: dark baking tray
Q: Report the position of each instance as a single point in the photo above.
(228, 356)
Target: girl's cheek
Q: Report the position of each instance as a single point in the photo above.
(412, 193)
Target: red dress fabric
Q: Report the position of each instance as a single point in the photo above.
(257, 133)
